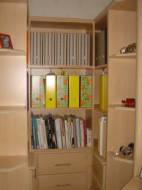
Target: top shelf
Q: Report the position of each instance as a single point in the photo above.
(11, 52)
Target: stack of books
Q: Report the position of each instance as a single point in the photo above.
(50, 132)
(60, 48)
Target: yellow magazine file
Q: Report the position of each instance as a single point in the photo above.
(103, 92)
(50, 91)
(73, 91)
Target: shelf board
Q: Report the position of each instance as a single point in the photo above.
(121, 158)
(12, 108)
(59, 67)
(60, 109)
(11, 52)
(61, 150)
(125, 56)
(101, 67)
(123, 108)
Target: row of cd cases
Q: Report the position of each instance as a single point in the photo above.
(58, 48)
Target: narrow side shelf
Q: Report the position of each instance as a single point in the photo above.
(101, 67)
(123, 108)
(126, 56)
(12, 52)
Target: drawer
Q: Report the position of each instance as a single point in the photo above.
(63, 182)
(99, 170)
(62, 163)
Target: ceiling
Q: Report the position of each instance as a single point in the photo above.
(83, 9)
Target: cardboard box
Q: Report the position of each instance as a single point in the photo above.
(86, 91)
(73, 91)
(50, 91)
(62, 91)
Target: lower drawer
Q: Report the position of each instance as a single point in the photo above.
(63, 182)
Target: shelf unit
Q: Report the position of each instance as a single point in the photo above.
(13, 112)
(121, 71)
(63, 163)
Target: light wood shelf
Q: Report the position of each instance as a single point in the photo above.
(60, 150)
(12, 52)
(101, 67)
(121, 158)
(124, 56)
(12, 108)
(59, 109)
(123, 108)
(60, 67)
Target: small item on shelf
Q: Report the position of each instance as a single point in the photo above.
(5, 41)
(131, 48)
(127, 151)
(129, 102)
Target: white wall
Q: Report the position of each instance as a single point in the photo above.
(86, 9)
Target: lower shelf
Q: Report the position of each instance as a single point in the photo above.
(61, 150)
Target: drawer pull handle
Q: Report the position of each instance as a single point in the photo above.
(64, 164)
(63, 185)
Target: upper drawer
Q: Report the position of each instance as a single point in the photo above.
(62, 163)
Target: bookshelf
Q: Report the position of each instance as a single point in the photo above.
(121, 71)
(66, 34)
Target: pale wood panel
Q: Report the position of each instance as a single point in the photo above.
(134, 184)
(138, 152)
(76, 181)
(99, 171)
(13, 21)
(121, 30)
(121, 128)
(20, 178)
(118, 174)
(121, 80)
(62, 163)
(13, 133)
(128, 5)
(8, 162)
(13, 81)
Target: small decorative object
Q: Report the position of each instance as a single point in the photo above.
(127, 150)
(131, 48)
(129, 102)
(5, 41)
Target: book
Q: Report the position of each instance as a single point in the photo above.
(58, 132)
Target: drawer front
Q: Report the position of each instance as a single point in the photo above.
(63, 182)
(62, 163)
(99, 171)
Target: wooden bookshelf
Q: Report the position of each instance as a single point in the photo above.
(121, 72)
